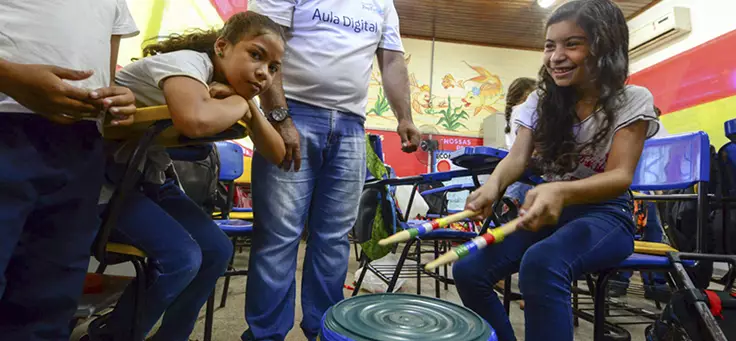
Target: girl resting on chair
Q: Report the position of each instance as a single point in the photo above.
(187, 252)
(583, 130)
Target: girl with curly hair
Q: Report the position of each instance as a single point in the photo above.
(583, 130)
(207, 79)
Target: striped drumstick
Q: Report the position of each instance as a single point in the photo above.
(474, 245)
(407, 234)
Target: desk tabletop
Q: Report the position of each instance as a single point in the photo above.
(478, 156)
(170, 137)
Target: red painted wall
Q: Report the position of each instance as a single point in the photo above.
(696, 89)
(701, 75)
(408, 164)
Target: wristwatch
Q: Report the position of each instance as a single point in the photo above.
(278, 114)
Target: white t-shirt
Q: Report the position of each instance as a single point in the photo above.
(332, 43)
(71, 34)
(144, 76)
(511, 135)
(636, 103)
(661, 132)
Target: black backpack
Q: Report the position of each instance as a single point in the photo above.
(680, 218)
(681, 322)
(199, 179)
(727, 188)
(695, 314)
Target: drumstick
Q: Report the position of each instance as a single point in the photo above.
(407, 234)
(476, 244)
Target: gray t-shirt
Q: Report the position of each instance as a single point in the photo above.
(636, 103)
(144, 78)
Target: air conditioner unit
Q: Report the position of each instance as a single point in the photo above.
(672, 23)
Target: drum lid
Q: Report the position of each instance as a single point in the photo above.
(400, 317)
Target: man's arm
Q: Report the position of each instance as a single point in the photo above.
(114, 49)
(274, 96)
(395, 78)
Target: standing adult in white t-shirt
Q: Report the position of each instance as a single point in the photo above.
(51, 158)
(327, 65)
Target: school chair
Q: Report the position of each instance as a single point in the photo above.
(404, 221)
(109, 253)
(668, 163)
(365, 217)
(244, 213)
(153, 125)
(231, 168)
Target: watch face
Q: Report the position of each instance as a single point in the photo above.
(279, 114)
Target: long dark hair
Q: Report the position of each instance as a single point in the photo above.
(518, 90)
(608, 67)
(240, 25)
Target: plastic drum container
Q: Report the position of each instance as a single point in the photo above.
(400, 317)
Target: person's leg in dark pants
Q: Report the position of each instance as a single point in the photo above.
(216, 249)
(476, 275)
(187, 254)
(590, 238)
(50, 178)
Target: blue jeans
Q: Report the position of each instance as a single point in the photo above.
(187, 254)
(517, 191)
(50, 178)
(324, 195)
(588, 238)
(652, 233)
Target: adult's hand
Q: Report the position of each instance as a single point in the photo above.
(290, 135)
(118, 101)
(41, 88)
(410, 136)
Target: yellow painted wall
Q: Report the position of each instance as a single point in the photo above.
(708, 117)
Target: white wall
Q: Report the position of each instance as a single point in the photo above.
(709, 18)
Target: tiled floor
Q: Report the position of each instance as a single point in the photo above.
(229, 322)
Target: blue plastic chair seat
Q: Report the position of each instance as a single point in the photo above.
(235, 227)
(642, 261)
(231, 160)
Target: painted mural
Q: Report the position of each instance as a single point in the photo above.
(457, 106)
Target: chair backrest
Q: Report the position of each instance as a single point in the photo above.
(673, 162)
(231, 160)
(730, 129)
(377, 145)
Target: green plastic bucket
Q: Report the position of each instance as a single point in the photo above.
(400, 317)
